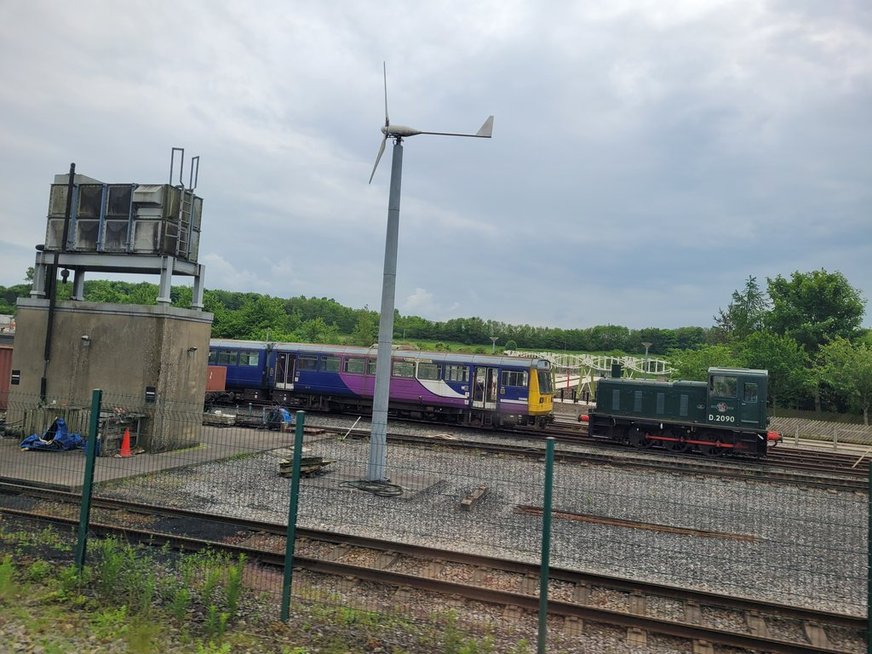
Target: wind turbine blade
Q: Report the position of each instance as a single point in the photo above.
(385, 71)
(487, 129)
(381, 151)
(483, 133)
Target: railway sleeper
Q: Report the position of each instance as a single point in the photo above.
(637, 637)
(757, 624)
(638, 603)
(816, 635)
(573, 626)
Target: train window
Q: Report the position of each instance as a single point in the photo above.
(248, 359)
(616, 399)
(330, 364)
(307, 363)
(213, 356)
(227, 358)
(750, 392)
(661, 403)
(457, 373)
(370, 368)
(723, 385)
(682, 406)
(544, 382)
(429, 371)
(403, 369)
(514, 378)
(637, 401)
(355, 366)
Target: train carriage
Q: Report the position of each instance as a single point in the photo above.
(462, 388)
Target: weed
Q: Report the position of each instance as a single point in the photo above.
(213, 648)
(234, 585)
(8, 587)
(70, 582)
(39, 571)
(216, 622)
(109, 622)
(180, 603)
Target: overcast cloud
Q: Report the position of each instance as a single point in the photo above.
(647, 156)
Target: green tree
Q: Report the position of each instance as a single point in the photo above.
(694, 364)
(815, 308)
(366, 330)
(847, 368)
(318, 331)
(745, 314)
(786, 361)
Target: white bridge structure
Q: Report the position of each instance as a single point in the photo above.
(577, 371)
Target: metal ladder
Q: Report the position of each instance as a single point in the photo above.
(185, 217)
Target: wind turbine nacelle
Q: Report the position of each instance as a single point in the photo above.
(399, 130)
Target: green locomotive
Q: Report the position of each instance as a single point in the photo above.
(727, 414)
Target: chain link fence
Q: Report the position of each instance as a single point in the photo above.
(785, 543)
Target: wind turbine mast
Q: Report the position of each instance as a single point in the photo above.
(378, 436)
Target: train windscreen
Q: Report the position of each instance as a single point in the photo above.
(544, 382)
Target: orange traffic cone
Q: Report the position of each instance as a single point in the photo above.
(125, 445)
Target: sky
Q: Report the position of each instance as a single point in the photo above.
(647, 156)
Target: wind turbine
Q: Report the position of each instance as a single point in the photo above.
(378, 436)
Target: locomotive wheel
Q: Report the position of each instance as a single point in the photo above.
(710, 450)
(675, 446)
(636, 438)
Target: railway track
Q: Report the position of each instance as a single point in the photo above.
(784, 465)
(574, 596)
(792, 468)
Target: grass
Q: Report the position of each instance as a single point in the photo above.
(146, 599)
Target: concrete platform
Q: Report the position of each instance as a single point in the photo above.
(65, 470)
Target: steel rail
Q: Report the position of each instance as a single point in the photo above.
(704, 598)
(527, 602)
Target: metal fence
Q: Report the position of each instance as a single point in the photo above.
(799, 546)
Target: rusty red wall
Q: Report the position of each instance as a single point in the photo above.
(5, 372)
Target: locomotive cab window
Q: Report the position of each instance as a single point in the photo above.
(544, 377)
(403, 369)
(750, 393)
(514, 378)
(428, 371)
(723, 385)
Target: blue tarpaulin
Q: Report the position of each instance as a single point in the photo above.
(56, 438)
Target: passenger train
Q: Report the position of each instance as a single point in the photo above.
(472, 389)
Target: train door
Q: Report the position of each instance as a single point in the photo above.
(285, 371)
(749, 403)
(485, 388)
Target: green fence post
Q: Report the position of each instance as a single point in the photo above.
(88, 481)
(546, 545)
(292, 515)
